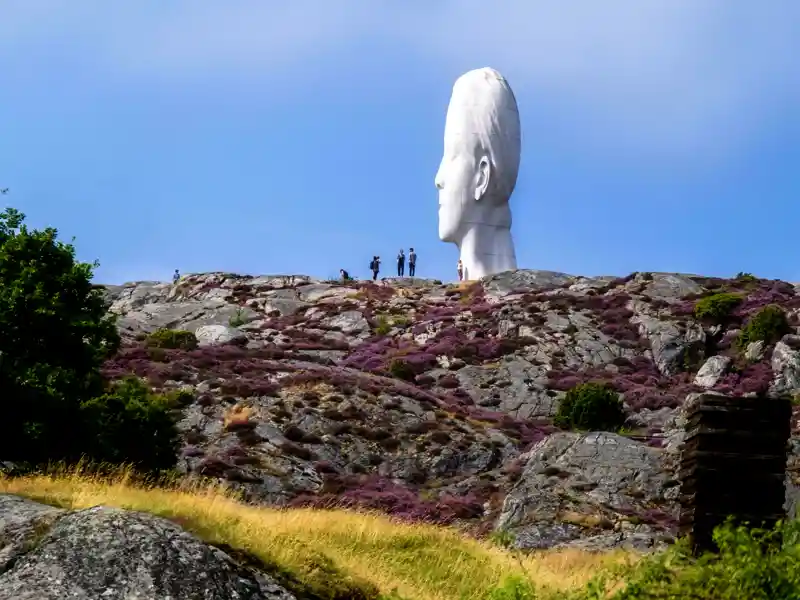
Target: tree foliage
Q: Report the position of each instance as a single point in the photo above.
(55, 333)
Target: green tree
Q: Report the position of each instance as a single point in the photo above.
(55, 332)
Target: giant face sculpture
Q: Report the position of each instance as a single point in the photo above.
(479, 170)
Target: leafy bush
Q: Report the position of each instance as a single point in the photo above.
(56, 333)
(402, 370)
(180, 398)
(172, 339)
(768, 325)
(717, 308)
(751, 564)
(130, 424)
(591, 406)
(514, 587)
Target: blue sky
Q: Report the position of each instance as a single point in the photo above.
(258, 136)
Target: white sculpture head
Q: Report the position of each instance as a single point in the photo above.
(478, 172)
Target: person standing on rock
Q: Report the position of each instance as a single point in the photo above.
(375, 267)
(175, 277)
(412, 262)
(460, 268)
(401, 263)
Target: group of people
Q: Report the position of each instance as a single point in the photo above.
(375, 266)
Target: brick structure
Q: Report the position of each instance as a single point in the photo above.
(733, 463)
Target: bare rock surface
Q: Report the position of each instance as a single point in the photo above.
(572, 482)
(111, 554)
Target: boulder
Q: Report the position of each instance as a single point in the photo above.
(594, 474)
(213, 335)
(669, 286)
(349, 322)
(513, 386)
(786, 366)
(668, 342)
(712, 370)
(111, 554)
(502, 284)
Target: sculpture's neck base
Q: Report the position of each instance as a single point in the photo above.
(485, 250)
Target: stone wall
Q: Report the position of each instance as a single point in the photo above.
(733, 463)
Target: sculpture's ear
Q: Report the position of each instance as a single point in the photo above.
(482, 177)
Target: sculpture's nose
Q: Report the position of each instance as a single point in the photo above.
(439, 180)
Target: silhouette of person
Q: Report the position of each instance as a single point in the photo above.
(375, 267)
(176, 276)
(460, 268)
(412, 262)
(401, 263)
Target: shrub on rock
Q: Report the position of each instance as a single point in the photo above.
(173, 339)
(383, 326)
(402, 370)
(717, 308)
(768, 325)
(743, 277)
(591, 406)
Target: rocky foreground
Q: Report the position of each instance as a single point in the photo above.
(51, 553)
(435, 402)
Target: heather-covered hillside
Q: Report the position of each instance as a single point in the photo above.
(437, 402)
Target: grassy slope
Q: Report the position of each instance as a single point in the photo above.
(365, 554)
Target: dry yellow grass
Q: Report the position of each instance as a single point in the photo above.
(585, 520)
(360, 550)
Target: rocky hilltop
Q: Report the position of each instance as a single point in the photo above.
(434, 401)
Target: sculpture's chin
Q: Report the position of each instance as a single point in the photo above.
(447, 233)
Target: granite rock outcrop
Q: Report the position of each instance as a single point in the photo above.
(113, 554)
(435, 401)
